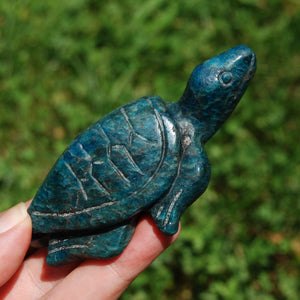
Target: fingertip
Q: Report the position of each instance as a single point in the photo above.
(13, 217)
(147, 244)
(147, 225)
(14, 240)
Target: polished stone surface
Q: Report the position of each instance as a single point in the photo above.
(145, 156)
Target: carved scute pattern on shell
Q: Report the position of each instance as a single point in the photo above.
(115, 168)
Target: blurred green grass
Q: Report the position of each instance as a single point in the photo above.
(65, 64)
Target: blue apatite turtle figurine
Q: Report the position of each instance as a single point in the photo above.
(145, 156)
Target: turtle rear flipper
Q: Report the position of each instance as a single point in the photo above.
(102, 245)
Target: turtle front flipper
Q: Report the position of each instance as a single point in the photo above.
(191, 181)
(166, 214)
(106, 244)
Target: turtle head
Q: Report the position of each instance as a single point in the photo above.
(216, 86)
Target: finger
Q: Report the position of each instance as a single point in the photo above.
(107, 279)
(34, 278)
(39, 278)
(15, 236)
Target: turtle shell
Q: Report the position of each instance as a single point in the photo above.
(114, 169)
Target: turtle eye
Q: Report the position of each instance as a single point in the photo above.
(225, 78)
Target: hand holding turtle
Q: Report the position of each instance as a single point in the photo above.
(147, 156)
(91, 279)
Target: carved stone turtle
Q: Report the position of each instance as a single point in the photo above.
(145, 156)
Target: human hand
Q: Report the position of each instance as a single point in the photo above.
(31, 278)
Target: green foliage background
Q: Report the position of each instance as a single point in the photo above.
(64, 64)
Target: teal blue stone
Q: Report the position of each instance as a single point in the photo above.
(147, 156)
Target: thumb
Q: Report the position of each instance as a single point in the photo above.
(15, 236)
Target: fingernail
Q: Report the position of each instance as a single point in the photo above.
(12, 217)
